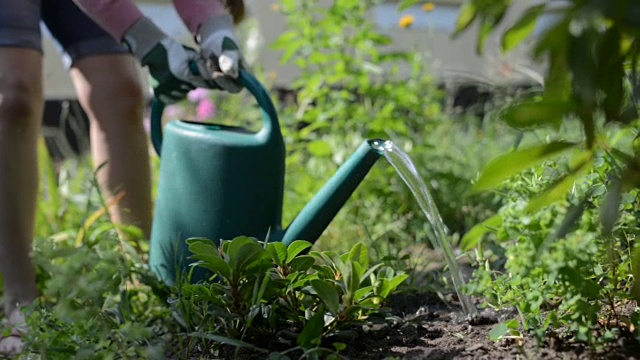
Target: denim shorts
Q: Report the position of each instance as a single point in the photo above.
(77, 36)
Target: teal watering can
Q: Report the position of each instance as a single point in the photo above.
(220, 182)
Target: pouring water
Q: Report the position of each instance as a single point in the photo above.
(403, 165)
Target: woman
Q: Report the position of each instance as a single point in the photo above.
(104, 74)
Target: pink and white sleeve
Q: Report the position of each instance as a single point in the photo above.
(195, 12)
(117, 16)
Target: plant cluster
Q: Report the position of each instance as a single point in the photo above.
(563, 249)
(269, 297)
(100, 300)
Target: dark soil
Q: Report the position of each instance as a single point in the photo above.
(425, 327)
(432, 330)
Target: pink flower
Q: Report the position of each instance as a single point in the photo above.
(197, 95)
(206, 109)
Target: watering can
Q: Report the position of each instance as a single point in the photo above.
(220, 182)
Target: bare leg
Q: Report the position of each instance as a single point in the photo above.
(21, 102)
(110, 91)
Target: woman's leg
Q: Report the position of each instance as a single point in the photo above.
(110, 91)
(21, 102)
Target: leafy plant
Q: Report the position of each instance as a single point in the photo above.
(275, 298)
(562, 248)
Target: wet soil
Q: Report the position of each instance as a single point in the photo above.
(433, 330)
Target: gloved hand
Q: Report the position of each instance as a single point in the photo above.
(218, 44)
(167, 61)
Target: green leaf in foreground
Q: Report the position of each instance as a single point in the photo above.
(472, 238)
(559, 188)
(466, 15)
(522, 28)
(278, 252)
(507, 165)
(327, 294)
(312, 331)
(537, 113)
(296, 248)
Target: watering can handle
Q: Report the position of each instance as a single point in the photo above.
(269, 114)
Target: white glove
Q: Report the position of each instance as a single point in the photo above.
(168, 61)
(218, 44)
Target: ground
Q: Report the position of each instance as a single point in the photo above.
(433, 330)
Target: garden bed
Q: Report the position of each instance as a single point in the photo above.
(434, 330)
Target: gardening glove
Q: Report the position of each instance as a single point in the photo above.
(219, 46)
(168, 61)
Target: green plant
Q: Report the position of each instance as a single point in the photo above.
(94, 299)
(563, 247)
(270, 298)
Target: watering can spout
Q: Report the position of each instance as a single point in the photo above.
(318, 213)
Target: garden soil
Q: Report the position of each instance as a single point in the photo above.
(432, 330)
(428, 328)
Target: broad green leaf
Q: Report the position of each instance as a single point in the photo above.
(502, 329)
(472, 238)
(296, 248)
(352, 281)
(360, 254)
(201, 246)
(610, 208)
(229, 341)
(278, 252)
(370, 271)
(389, 285)
(363, 292)
(208, 255)
(358, 272)
(583, 69)
(571, 219)
(243, 252)
(302, 263)
(405, 4)
(466, 15)
(522, 28)
(558, 190)
(507, 165)
(611, 73)
(312, 331)
(537, 113)
(328, 294)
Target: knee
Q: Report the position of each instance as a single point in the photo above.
(21, 103)
(122, 93)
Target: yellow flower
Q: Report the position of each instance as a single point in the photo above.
(429, 6)
(405, 21)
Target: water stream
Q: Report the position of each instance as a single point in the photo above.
(403, 165)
